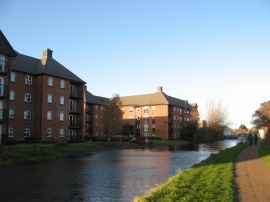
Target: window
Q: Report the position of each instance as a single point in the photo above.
(130, 118)
(28, 80)
(145, 110)
(145, 119)
(61, 132)
(61, 116)
(96, 125)
(96, 116)
(49, 115)
(10, 132)
(11, 113)
(130, 109)
(49, 132)
(153, 120)
(26, 132)
(145, 128)
(49, 98)
(50, 81)
(12, 95)
(62, 100)
(27, 97)
(96, 107)
(2, 63)
(13, 76)
(27, 115)
(62, 84)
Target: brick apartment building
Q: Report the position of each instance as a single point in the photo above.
(41, 99)
(6, 54)
(46, 100)
(156, 114)
(94, 114)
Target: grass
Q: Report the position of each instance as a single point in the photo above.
(264, 153)
(210, 180)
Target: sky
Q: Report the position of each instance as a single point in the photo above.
(203, 51)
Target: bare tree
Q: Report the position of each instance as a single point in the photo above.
(217, 117)
(112, 116)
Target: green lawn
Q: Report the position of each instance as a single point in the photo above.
(210, 180)
(264, 153)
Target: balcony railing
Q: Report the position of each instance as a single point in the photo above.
(74, 124)
(4, 67)
(74, 110)
(74, 94)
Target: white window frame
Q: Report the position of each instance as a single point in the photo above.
(145, 110)
(11, 113)
(13, 76)
(50, 81)
(27, 132)
(50, 98)
(61, 132)
(28, 80)
(61, 116)
(49, 132)
(62, 83)
(62, 100)
(49, 115)
(27, 115)
(10, 132)
(27, 97)
(12, 95)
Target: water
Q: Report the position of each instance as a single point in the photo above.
(117, 175)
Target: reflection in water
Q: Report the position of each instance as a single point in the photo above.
(117, 175)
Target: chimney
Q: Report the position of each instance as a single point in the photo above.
(47, 53)
(159, 89)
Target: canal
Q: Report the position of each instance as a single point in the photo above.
(117, 175)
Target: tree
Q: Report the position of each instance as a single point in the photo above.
(242, 127)
(112, 116)
(217, 117)
(261, 116)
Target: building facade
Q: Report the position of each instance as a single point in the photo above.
(94, 114)
(156, 115)
(6, 55)
(46, 100)
(41, 99)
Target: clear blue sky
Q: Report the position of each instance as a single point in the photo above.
(198, 50)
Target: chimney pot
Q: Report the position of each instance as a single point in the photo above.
(159, 89)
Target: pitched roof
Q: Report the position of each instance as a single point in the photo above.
(154, 99)
(92, 99)
(48, 66)
(5, 47)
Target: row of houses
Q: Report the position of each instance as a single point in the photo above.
(40, 98)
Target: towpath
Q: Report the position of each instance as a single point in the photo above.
(252, 177)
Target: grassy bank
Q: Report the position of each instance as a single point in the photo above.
(210, 180)
(31, 153)
(264, 153)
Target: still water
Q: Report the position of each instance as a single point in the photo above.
(117, 175)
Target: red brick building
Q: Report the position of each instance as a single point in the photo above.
(46, 100)
(6, 54)
(94, 114)
(156, 114)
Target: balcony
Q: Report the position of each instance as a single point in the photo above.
(75, 124)
(4, 67)
(75, 111)
(75, 94)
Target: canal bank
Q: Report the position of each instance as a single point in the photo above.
(210, 180)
